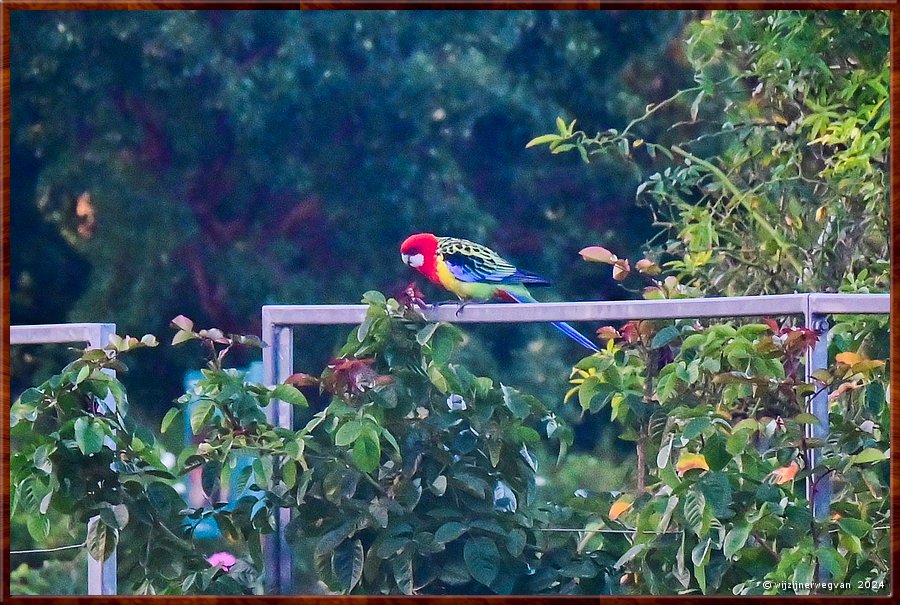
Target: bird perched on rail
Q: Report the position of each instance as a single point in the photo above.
(476, 273)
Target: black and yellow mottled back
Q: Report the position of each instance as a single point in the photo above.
(474, 263)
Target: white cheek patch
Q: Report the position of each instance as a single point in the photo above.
(416, 260)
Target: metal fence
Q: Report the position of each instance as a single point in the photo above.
(101, 574)
(278, 322)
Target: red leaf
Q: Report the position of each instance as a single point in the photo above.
(598, 254)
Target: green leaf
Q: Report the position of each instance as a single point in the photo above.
(664, 337)
(348, 433)
(875, 397)
(870, 454)
(332, 539)
(665, 387)
(38, 526)
(514, 402)
(374, 297)
(449, 531)
(834, 564)
(543, 139)
(209, 477)
(695, 427)
(662, 458)
(347, 564)
(241, 480)
(515, 542)
(115, 516)
(169, 418)
(199, 414)
(366, 453)
(88, 436)
(737, 442)
(425, 334)
(716, 489)
(716, 453)
(561, 126)
(182, 336)
(854, 527)
(803, 574)
(289, 394)
(694, 505)
(700, 557)
(735, 540)
(695, 106)
(101, 540)
(482, 559)
(30, 396)
(439, 485)
(289, 473)
(403, 572)
(593, 394)
(82, 374)
(806, 418)
(442, 344)
(437, 379)
(630, 554)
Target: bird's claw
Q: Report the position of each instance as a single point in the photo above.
(460, 307)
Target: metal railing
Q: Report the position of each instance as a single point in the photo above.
(101, 574)
(278, 322)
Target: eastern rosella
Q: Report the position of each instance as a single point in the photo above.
(475, 273)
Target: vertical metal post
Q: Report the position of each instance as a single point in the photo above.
(102, 574)
(818, 485)
(278, 364)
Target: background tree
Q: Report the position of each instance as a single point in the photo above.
(775, 180)
(207, 162)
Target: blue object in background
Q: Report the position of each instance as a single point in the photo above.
(208, 529)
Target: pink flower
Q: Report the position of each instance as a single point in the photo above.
(224, 559)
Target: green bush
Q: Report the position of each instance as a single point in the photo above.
(786, 192)
(418, 477)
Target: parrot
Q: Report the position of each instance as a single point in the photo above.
(476, 273)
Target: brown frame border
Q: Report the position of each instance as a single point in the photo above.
(894, 396)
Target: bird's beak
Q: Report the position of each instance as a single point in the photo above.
(405, 258)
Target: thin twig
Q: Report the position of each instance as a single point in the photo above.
(742, 199)
(43, 550)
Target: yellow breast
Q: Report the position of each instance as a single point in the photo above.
(449, 281)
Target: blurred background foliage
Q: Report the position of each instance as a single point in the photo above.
(210, 162)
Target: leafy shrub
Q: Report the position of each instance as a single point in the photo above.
(788, 194)
(418, 476)
(723, 427)
(80, 455)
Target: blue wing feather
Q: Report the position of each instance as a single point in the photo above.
(474, 263)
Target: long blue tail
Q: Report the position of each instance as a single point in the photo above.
(559, 325)
(575, 335)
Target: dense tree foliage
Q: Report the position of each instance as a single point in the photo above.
(207, 163)
(776, 179)
(788, 192)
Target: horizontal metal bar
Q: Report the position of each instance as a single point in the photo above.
(733, 306)
(836, 304)
(58, 333)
